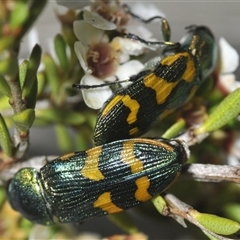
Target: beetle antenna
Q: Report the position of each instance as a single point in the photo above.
(166, 30)
(79, 86)
(162, 43)
(128, 10)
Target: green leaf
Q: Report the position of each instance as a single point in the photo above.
(24, 119)
(91, 118)
(5, 140)
(40, 122)
(228, 109)
(4, 87)
(32, 68)
(67, 31)
(216, 224)
(26, 224)
(160, 204)
(63, 138)
(61, 115)
(2, 196)
(124, 221)
(23, 72)
(4, 104)
(32, 96)
(233, 211)
(19, 15)
(60, 49)
(9, 66)
(52, 74)
(210, 236)
(6, 42)
(82, 140)
(175, 129)
(41, 82)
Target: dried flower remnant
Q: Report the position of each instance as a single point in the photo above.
(112, 11)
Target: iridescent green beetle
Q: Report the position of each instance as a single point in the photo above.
(156, 92)
(103, 180)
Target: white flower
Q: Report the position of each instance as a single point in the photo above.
(228, 63)
(128, 69)
(102, 61)
(94, 52)
(96, 97)
(98, 21)
(146, 10)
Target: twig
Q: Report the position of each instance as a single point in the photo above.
(212, 173)
(35, 162)
(179, 208)
(18, 105)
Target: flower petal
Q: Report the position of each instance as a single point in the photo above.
(128, 46)
(140, 31)
(146, 10)
(81, 52)
(229, 58)
(127, 70)
(228, 82)
(86, 33)
(95, 97)
(151, 63)
(98, 21)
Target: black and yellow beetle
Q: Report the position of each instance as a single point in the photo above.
(103, 180)
(156, 92)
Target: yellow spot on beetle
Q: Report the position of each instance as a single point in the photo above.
(66, 156)
(162, 88)
(133, 131)
(111, 104)
(169, 60)
(90, 169)
(157, 143)
(132, 104)
(136, 165)
(128, 157)
(104, 202)
(190, 73)
(142, 193)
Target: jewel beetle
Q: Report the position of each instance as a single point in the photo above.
(156, 92)
(103, 180)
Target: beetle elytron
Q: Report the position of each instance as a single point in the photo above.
(154, 93)
(103, 180)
